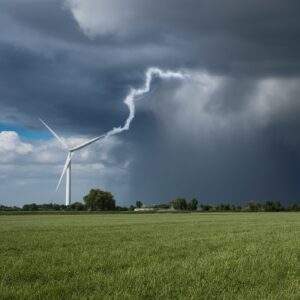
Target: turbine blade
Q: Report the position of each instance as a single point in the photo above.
(64, 169)
(55, 135)
(87, 143)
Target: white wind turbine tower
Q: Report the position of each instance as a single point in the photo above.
(67, 166)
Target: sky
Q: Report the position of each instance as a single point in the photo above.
(227, 132)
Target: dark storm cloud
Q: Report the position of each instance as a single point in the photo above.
(257, 38)
(226, 154)
(249, 37)
(74, 67)
(216, 172)
(46, 16)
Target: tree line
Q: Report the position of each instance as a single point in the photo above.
(252, 206)
(99, 200)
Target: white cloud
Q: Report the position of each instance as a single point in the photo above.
(101, 17)
(11, 146)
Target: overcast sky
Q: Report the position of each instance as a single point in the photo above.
(229, 132)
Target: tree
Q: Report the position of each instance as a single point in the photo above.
(294, 207)
(179, 203)
(138, 204)
(30, 207)
(273, 206)
(252, 206)
(205, 207)
(99, 200)
(9, 208)
(236, 207)
(193, 204)
(223, 207)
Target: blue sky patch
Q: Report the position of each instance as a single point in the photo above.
(27, 134)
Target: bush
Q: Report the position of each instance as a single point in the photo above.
(78, 206)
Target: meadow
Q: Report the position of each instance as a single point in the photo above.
(150, 256)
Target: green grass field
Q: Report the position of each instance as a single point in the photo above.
(150, 256)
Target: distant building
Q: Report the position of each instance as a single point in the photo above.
(144, 209)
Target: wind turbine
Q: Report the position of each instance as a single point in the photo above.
(67, 166)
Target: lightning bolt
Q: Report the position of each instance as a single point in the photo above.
(138, 92)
